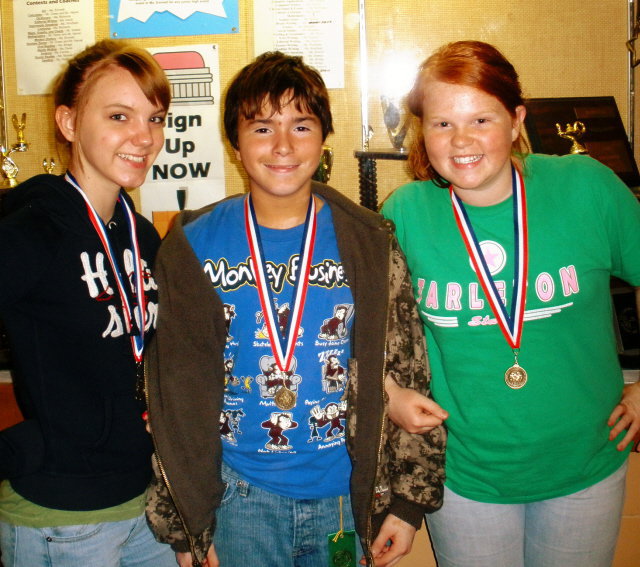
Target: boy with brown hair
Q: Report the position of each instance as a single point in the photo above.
(283, 257)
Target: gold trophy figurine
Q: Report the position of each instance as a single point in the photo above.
(9, 167)
(573, 133)
(48, 165)
(19, 127)
(323, 173)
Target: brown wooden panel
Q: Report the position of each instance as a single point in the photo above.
(9, 412)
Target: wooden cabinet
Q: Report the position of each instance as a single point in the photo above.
(9, 412)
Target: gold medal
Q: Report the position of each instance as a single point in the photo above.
(510, 321)
(515, 377)
(282, 341)
(285, 399)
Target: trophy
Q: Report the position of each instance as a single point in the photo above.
(19, 126)
(573, 132)
(9, 167)
(48, 165)
(323, 173)
(396, 121)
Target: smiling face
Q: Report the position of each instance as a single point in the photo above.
(280, 152)
(115, 133)
(468, 135)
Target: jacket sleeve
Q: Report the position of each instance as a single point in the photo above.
(183, 400)
(25, 255)
(164, 520)
(416, 462)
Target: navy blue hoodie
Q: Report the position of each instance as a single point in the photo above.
(83, 445)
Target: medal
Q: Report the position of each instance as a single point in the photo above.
(285, 399)
(134, 314)
(510, 323)
(140, 385)
(515, 377)
(282, 344)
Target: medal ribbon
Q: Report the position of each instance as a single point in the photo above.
(131, 313)
(282, 345)
(510, 323)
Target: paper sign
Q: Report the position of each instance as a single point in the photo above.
(164, 18)
(189, 171)
(142, 10)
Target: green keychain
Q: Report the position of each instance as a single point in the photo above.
(342, 546)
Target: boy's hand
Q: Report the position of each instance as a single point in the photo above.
(393, 542)
(185, 559)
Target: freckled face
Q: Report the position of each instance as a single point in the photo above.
(468, 136)
(115, 134)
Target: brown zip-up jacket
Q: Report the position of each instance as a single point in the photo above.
(392, 471)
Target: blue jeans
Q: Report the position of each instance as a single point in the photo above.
(128, 543)
(578, 530)
(256, 527)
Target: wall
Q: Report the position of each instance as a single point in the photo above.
(568, 48)
(578, 50)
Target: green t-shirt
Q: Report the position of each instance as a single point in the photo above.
(549, 438)
(17, 511)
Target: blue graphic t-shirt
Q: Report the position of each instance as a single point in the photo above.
(298, 452)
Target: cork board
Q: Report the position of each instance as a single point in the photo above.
(575, 48)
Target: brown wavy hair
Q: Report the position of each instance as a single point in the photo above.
(470, 63)
(82, 71)
(275, 79)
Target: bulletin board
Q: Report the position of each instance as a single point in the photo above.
(583, 54)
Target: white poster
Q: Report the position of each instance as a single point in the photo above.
(189, 171)
(47, 33)
(310, 28)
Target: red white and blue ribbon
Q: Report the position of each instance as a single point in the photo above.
(282, 344)
(511, 322)
(135, 316)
